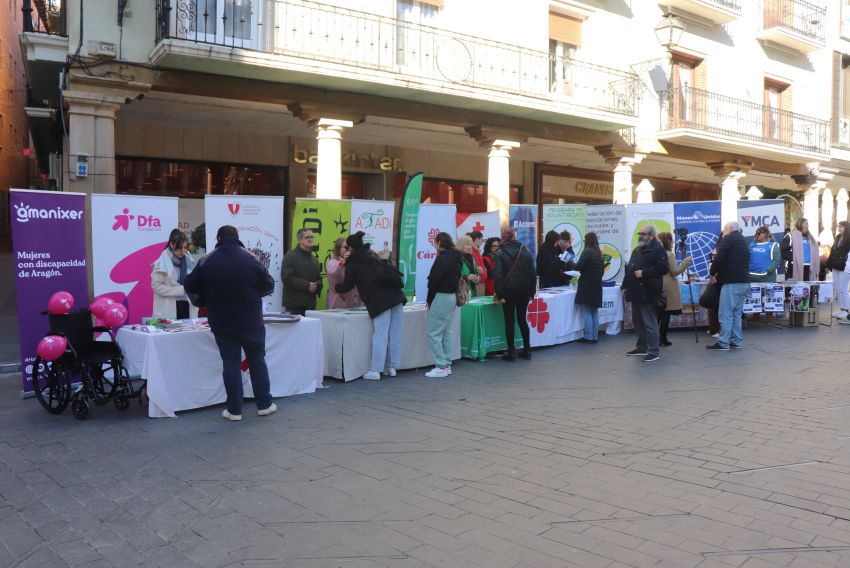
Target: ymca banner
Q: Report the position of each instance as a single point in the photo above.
(608, 222)
(572, 218)
(407, 219)
(659, 215)
(128, 235)
(523, 218)
(755, 213)
(259, 220)
(487, 223)
(433, 219)
(701, 219)
(329, 219)
(375, 218)
(49, 251)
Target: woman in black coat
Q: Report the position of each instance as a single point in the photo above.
(837, 262)
(550, 267)
(589, 294)
(515, 285)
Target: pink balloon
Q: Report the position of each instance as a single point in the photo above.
(52, 347)
(101, 305)
(115, 316)
(60, 303)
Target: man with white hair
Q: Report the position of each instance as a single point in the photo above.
(731, 269)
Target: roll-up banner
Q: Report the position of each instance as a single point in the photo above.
(128, 235)
(572, 218)
(433, 219)
(608, 222)
(659, 215)
(699, 223)
(49, 248)
(259, 220)
(523, 218)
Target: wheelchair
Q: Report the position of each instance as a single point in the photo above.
(89, 372)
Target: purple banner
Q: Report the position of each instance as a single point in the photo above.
(49, 248)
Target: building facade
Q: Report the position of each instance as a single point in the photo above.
(496, 102)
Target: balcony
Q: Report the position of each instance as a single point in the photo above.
(701, 119)
(313, 44)
(795, 24)
(714, 11)
(44, 44)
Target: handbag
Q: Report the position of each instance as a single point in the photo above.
(710, 298)
(496, 297)
(462, 293)
(661, 301)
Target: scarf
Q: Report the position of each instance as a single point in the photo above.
(797, 252)
(180, 265)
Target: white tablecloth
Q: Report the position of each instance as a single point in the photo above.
(183, 369)
(554, 317)
(348, 340)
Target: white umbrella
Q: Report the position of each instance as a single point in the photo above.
(754, 193)
(841, 205)
(827, 208)
(644, 191)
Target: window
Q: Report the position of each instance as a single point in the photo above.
(222, 22)
(841, 99)
(564, 39)
(776, 117)
(415, 43)
(689, 100)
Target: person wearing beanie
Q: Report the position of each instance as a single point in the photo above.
(516, 283)
(379, 285)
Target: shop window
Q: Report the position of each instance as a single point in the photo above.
(142, 176)
(469, 197)
(353, 186)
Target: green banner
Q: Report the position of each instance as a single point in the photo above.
(408, 216)
(329, 219)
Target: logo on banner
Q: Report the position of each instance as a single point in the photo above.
(143, 222)
(369, 219)
(538, 314)
(233, 208)
(699, 216)
(478, 227)
(432, 236)
(612, 261)
(24, 213)
(751, 221)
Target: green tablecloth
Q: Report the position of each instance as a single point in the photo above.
(482, 329)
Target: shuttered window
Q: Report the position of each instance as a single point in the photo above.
(435, 3)
(565, 29)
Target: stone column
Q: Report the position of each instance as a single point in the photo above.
(841, 205)
(730, 175)
(499, 179)
(623, 161)
(91, 118)
(329, 164)
(811, 185)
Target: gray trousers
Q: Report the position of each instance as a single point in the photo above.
(645, 320)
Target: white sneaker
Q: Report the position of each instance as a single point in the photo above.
(390, 372)
(715, 335)
(438, 373)
(227, 416)
(372, 376)
(266, 411)
(841, 314)
(844, 321)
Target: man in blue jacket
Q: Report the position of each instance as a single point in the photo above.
(230, 282)
(731, 268)
(643, 284)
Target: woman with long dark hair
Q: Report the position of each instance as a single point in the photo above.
(336, 275)
(442, 301)
(589, 293)
(491, 247)
(169, 272)
(515, 285)
(672, 289)
(837, 262)
(550, 267)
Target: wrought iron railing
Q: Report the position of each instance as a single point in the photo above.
(314, 31)
(696, 109)
(728, 4)
(807, 19)
(44, 16)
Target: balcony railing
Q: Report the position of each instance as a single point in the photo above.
(799, 16)
(320, 32)
(44, 16)
(728, 4)
(695, 109)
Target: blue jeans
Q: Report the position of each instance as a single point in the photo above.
(230, 346)
(386, 339)
(731, 307)
(591, 322)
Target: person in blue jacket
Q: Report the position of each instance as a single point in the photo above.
(765, 256)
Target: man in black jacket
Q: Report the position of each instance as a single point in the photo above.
(643, 284)
(731, 268)
(231, 283)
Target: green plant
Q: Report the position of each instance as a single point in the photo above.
(199, 236)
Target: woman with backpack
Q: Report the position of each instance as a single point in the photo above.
(379, 286)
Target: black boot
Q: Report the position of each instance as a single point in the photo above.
(509, 356)
(525, 354)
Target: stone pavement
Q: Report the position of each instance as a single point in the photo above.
(582, 457)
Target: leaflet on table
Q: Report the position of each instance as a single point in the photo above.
(753, 302)
(800, 294)
(774, 298)
(825, 292)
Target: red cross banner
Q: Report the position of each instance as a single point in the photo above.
(487, 223)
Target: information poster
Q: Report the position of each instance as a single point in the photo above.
(329, 219)
(800, 297)
(376, 219)
(433, 219)
(774, 298)
(608, 222)
(128, 235)
(523, 218)
(259, 220)
(825, 290)
(753, 301)
(572, 218)
(699, 223)
(659, 215)
(49, 248)
(756, 213)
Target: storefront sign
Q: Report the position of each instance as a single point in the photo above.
(701, 220)
(578, 188)
(259, 220)
(49, 248)
(433, 219)
(608, 222)
(572, 218)
(128, 235)
(352, 159)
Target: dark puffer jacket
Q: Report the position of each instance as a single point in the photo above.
(838, 253)
(591, 267)
(521, 279)
(652, 261)
(363, 271)
(445, 274)
(732, 262)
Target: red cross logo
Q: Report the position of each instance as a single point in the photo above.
(538, 314)
(478, 227)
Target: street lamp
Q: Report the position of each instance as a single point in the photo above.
(669, 30)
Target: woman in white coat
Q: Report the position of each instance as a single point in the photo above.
(169, 272)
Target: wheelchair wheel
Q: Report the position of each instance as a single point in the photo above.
(51, 382)
(122, 403)
(80, 409)
(103, 387)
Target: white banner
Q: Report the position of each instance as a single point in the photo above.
(659, 215)
(756, 213)
(609, 224)
(128, 235)
(375, 218)
(190, 214)
(487, 223)
(433, 219)
(259, 220)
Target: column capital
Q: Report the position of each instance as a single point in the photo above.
(314, 113)
(488, 136)
(619, 156)
(732, 170)
(93, 104)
